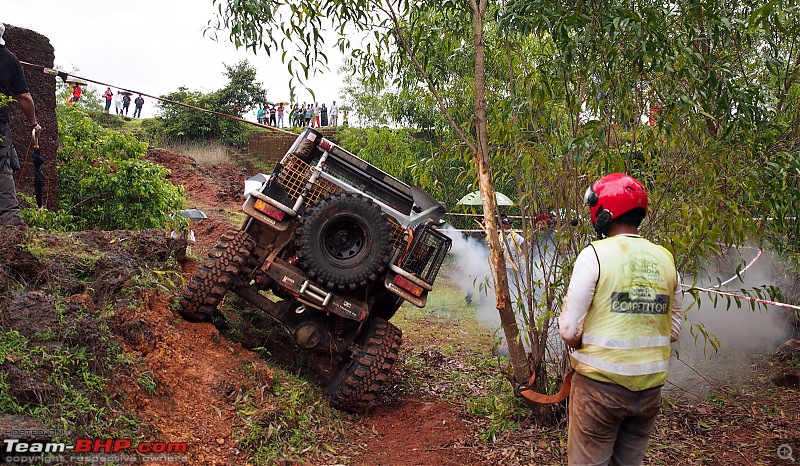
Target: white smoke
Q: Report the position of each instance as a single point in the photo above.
(739, 330)
(472, 273)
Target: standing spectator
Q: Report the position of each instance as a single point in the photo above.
(309, 116)
(323, 115)
(272, 113)
(316, 115)
(298, 115)
(126, 103)
(280, 115)
(12, 83)
(108, 95)
(622, 309)
(118, 103)
(76, 93)
(260, 114)
(139, 102)
(334, 114)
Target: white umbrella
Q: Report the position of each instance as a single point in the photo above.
(193, 214)
(474, 198)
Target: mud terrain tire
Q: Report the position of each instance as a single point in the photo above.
(216, 275)
(344, 241)
(355, 385)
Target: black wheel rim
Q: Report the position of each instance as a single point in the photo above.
(343, 240)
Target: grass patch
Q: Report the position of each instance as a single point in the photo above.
(205, 154)
(447, 322)
(294, 423)
(62, 379)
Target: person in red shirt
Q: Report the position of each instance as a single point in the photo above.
(108, 95)
(76, 93)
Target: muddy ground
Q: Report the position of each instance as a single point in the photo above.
(197, 379)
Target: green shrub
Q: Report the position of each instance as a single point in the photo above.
(241, 94)
(104, 183)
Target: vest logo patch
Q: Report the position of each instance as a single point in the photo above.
(639, 303)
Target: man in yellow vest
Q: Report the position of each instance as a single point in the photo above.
(622, 309)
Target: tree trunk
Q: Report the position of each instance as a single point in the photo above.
(516, 351)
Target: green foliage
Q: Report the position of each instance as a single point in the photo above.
(12, 344)
(239, 96)
(67, 370)
(104, 183)
(499, 408)
(5, 100)
(147, 382)
(293, 421)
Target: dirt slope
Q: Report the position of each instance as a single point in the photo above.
(199, 376)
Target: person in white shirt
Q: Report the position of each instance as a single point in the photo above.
(334, 114)
(622, 309)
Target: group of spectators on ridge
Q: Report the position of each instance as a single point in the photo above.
(122, 101)
(311, 115)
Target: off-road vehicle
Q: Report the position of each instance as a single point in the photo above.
(331, 248)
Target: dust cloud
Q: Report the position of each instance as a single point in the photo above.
(472, 273)
(741, 331)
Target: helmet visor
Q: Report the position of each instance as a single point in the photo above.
(590, 197)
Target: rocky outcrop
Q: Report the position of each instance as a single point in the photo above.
(32, 47)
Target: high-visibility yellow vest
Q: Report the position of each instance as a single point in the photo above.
(627, 328)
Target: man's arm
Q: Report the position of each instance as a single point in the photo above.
(28, 109)
(580, 294)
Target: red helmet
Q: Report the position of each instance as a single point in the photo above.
(617, 194)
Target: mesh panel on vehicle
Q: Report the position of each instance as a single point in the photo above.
(426, 256)
(398, 235)
(295, 175)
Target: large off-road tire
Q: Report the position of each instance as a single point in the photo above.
(216, 276)
(355, 385)
(344, 241)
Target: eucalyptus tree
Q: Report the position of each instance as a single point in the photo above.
(722, 148)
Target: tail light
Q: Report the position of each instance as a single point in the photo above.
(268, 210)
(408, 285)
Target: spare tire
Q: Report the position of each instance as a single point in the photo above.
(344, 241)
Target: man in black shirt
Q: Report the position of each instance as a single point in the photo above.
(139, 102)
(12, 84)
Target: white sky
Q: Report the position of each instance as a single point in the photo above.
(153, 46)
